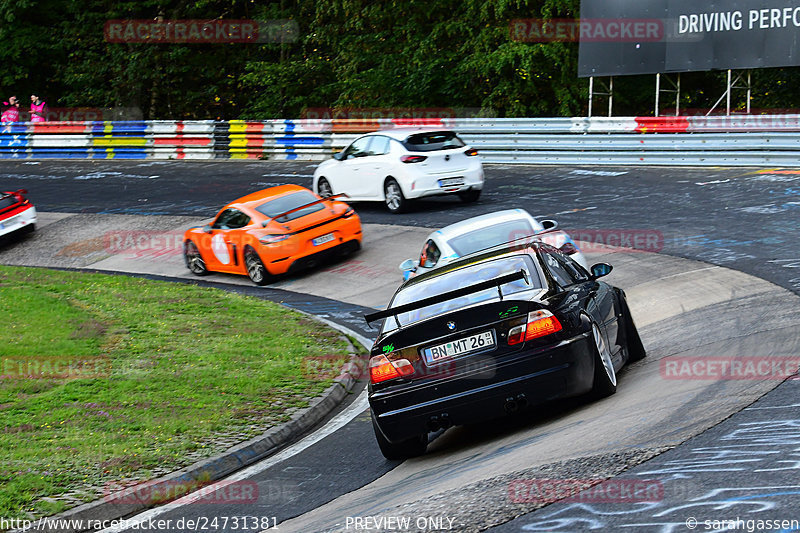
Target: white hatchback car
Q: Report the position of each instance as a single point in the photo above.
(486, 231)
(398, 165)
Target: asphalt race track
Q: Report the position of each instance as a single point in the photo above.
(719, 234)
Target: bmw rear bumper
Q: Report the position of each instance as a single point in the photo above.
(535, 376)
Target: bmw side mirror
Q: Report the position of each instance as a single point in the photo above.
(207, 228)
(549, 225)
(601, 269)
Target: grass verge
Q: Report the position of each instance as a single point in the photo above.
(108, 379)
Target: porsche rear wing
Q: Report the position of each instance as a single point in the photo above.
(451, 295)
(289, 212)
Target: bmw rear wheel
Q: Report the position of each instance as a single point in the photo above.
(194, 261)
(394, 198)
(605, 378)
(405, 449)
(255, 268)
(324, 188)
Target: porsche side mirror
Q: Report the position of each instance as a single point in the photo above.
(601, 269)
(408, 264)
(339, 155)
(207, 228)
(549, 225)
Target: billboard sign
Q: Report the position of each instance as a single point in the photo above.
(697, 36)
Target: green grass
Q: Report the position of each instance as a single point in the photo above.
(181, 365)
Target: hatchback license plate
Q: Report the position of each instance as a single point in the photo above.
(322, 240)
(473, 343)
(451, 182)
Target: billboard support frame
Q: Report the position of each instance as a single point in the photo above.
(676, 88)
(609, 88)
(730, 86)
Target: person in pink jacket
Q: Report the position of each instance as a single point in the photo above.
(38, 109)
(10, 110)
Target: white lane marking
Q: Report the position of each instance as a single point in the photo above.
(280, 175)
(793, 406)
(337, 422)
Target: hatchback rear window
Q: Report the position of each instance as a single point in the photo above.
(432, 141)
(289, 202)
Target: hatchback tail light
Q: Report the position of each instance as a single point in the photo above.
(540, 323)
(471, 152)
(413, 158)
(381, 369)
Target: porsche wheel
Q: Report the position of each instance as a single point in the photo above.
(255, 268)
(194, 261)
(605, 378)
(394, 198)
(406, 449)
(324, 188)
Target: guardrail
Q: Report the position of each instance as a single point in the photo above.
(735, 140)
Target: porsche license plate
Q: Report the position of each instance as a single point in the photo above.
(473, 343)
(322, 240)
(451, 182)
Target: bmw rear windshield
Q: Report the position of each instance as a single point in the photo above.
(458, 279)
(286, 203)
(432, 141)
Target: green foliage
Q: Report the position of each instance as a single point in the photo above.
(349, 54)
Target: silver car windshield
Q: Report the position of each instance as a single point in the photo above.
(457, 279)
(486, 237)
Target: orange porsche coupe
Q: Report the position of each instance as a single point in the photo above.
(274, 231)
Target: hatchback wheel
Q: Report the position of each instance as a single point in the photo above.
(324, 188)
(393, 195)
(469, 196)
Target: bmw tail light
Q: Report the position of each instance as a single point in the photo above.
(413, 158)
(569, 248)
(471, 152)
(540, 323)
(381, 369)
(272, 239)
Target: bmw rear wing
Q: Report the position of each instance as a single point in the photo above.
(451, 295)
(289, 212)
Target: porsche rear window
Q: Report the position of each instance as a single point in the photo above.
(458, 279)
(489, 236)
(432, 141)
(289, 202)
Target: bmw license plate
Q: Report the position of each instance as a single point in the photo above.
(473, 343)
(451, 182)
(322, 240)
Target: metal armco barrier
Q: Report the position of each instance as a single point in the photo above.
(746, 140)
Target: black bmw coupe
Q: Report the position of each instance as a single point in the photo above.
(492, 334)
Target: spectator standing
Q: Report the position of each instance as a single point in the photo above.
(10, 110)
(38, 109)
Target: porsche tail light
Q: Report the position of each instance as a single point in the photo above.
(381, 369)
(413, 158)
(540, 323)
(350, 212)
(471, 152)
(569, 248)
(272, 239)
